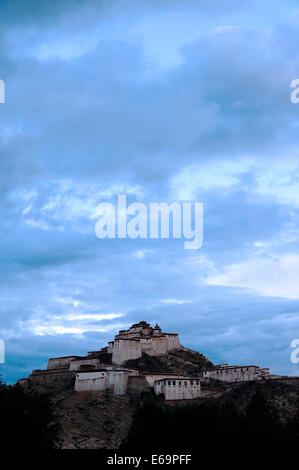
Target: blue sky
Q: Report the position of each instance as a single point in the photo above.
(162, 101)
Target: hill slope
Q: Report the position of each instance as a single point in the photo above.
(183, 361)
(234, 413)
(255, 415)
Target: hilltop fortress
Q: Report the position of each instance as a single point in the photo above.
(143, 359)
(142, 338)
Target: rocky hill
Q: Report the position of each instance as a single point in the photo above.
(87, 420)
(281, 394)
(97, 420)
(181, 361)
(101, 420)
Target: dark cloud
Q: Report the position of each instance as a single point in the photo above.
(16, 11)
(101, 111)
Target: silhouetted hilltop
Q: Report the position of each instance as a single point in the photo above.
(249, 417)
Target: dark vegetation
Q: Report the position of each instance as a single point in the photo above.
(249, 417)
(26, 420)
(220, 424)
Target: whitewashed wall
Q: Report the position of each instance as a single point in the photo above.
(124, 350)
(97, 381)
(184, 389)
(91, 381)
(238, 374)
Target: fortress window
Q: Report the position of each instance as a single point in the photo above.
(173, 383)
(169, 383)
(179, 383)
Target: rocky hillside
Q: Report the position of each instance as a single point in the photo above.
(87, 420)
(100, 420)
(94, 420)
(282, 395)
(183, 361)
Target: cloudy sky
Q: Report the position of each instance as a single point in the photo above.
(163, 101)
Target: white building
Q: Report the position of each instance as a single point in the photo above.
(227, 373)
(172, 386)
(128, 344)
(183, 388)
(116, 380)
(139, 338)
(152, 378)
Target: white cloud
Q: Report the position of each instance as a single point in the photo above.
(71, 200)
(98, 317)
(274, 179)
(68, 301)
(65, 48)
(280, 182)
(57, 329)
(27, 209)
(222, 175)
(275, 276)
(37, 224)
(140, 254)
(226, 29)
(176, 301)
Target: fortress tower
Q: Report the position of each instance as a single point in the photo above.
(139, 338)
